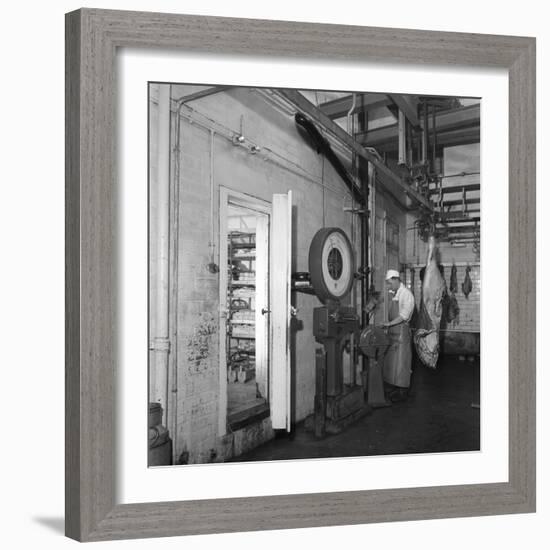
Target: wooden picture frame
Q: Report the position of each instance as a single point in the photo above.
(92, 39)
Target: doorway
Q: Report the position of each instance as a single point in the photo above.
(255, 260)
(244, 306)
(247, 317)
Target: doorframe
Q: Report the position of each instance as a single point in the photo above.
(253, 203)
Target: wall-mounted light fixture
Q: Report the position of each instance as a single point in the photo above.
(238, 139)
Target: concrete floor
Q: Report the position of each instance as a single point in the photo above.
(438, 417)
(242, 396)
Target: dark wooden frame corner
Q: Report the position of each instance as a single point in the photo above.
(92, 39)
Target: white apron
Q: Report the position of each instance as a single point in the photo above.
(398, 359)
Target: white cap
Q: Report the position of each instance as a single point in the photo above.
(392, 273)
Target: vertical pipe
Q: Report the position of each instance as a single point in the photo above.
(410, 146)
(365, 245)
(160, 344)
(372, 177)
(434, 142)
(320, 401)
(355, 171)
(402, 144)
(211, 244)
(350, 114)
(351, 132)
(425, 133)
(171, 423)
(364, 170)
(386, 266)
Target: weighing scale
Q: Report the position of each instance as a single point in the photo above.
(337, 328)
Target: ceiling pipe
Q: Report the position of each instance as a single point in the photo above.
(323, 146)
(202, 93)
(385, 173)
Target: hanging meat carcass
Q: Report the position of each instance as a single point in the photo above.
(467, 284)
(452, 310)
(426, 337)
(453, 286)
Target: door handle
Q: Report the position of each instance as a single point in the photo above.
(293, 311)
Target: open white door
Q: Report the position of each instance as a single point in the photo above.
(262, 304)
(280, 286)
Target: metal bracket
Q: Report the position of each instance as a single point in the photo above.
(160, 343)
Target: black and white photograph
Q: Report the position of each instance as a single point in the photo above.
(274, 275)
(314, 274)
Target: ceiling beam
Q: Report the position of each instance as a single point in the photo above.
(463, 229)
(306, 107)
(408, 107)
(456, 188)
(458, 214)
(461, 136)
(457, 217)
(385, 139)
(464, 118)
(459, 202)
(338, 108)
(460, 175)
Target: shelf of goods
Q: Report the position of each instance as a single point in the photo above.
(241, 306)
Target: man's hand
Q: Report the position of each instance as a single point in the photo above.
(397, 321)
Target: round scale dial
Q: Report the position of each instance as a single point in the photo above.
(331, 264)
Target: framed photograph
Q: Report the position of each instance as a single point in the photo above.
(295, 257)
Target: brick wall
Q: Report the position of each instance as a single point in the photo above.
(198, 361)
